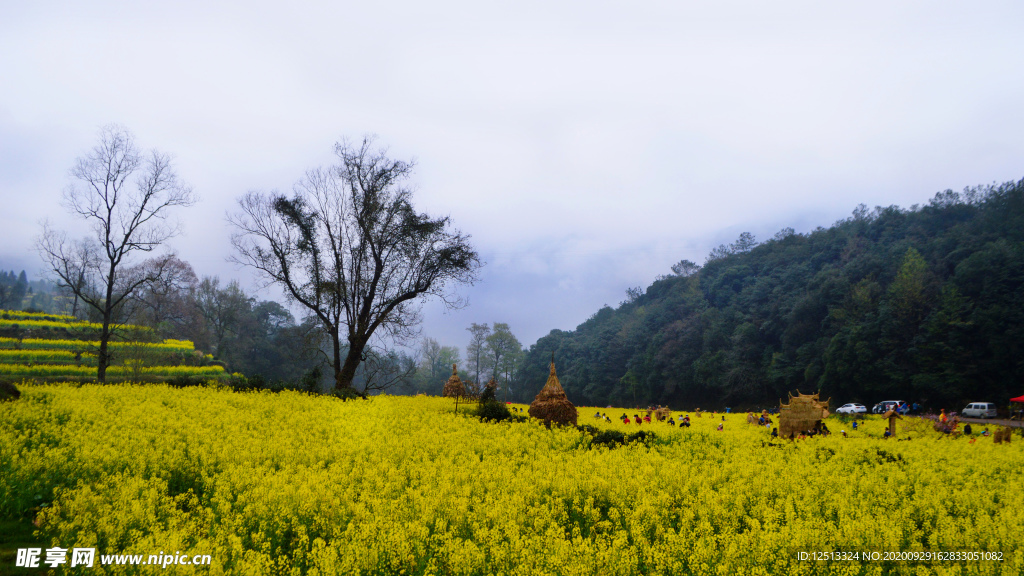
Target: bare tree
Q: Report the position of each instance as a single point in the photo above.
(350, 248)
(384, 368)
(126, 195)
(165, 301)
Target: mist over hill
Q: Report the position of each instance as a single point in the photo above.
(923, 304)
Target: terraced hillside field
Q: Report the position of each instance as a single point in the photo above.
(50, 348)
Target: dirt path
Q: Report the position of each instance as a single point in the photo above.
(1011, 423)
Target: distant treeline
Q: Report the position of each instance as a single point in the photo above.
(18, 293)
(923, 304)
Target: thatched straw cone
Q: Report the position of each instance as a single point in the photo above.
(454, 388)
(551, 403)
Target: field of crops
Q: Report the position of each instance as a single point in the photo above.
(291, 483)
(77, 345)
(35, 323)
(23, 315)
(58, 358)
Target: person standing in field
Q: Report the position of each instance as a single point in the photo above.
(942, 416)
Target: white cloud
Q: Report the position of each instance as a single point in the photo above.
(586, 146)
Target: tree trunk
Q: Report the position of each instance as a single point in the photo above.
(344, 375)
(103, 359)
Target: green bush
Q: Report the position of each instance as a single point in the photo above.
(311, 380)
(8, 391)
(494, 411)
(613, 438)
(346, 394)
(185, 381)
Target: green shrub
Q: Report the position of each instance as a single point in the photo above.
(609, 438)
(347, 393)
(185, 381)
(494, 411)
(613, 438)
(8, 391)
(311, 380)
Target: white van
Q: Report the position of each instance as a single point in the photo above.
(980, 410)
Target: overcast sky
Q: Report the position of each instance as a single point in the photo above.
(585, 146)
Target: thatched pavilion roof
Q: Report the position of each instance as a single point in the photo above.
(804, 412)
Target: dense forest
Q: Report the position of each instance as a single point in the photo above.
(923, 304)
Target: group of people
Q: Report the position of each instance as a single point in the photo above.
(682, 421)
(821, 429)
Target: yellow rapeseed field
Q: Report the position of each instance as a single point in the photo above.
(55, 344)
(295, 484)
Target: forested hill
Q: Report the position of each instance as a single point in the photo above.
(925, 304)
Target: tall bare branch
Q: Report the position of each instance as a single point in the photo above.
(126, 196)
(349, 247)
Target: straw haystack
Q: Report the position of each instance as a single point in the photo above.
(454, 388)
(804, 412)
(1002, 435)
(551, 403)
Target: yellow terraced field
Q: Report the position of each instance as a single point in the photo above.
(77, 345)
(291, 483)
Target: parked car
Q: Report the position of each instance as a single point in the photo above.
(884, 406)
(852, 409)
(980, 410)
